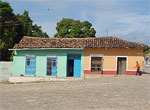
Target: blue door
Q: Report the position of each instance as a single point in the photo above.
(51, 66)
(77, 67)
(74, 65)
(30, 65)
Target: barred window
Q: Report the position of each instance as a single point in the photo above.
(96, 64)
(51, 65)
(28, 62)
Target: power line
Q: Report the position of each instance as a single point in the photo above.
(107, 31)
(147, 23)
(19, 23)
(137, 17)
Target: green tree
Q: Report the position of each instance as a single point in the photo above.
(37, 31)
(7, 29)
(26, 22)
(69, 28)
(28, 29)
(13, 28)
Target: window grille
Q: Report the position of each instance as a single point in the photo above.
(96, 64)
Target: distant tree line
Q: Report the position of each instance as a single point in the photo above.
(13, 27)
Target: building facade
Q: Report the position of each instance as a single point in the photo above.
(57, 63)
(76, 57)
(112, 61)
(146, 67)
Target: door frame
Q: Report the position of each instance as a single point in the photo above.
(68, 67)
(126, 61)
(72, 54)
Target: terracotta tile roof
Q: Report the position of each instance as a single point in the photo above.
(99, 42)
(37, 42)
(112, 42)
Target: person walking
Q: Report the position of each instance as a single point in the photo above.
(138, 68)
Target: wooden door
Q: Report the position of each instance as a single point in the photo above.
(77, 67)
(121, 66)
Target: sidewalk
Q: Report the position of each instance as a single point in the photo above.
(18, 79)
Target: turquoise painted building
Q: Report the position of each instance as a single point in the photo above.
(48, 59)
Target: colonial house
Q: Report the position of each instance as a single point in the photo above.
(110, 55)
(76, 57)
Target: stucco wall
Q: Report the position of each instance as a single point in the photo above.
(146, 67)
(110, 58)
(6, 69)
(41, 61)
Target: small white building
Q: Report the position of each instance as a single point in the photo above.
(146, 68)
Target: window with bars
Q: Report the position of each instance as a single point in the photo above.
(96, 64)
(51, 66)
(28, 62)
(30, 67)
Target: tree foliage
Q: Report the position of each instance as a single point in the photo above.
(13, 28)
(69, 28)
(146, 52)
(37, 31)
(26, 23)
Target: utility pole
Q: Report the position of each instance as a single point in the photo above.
(107, 31)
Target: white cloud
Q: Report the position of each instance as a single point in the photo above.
(121, 17)
(118, 22)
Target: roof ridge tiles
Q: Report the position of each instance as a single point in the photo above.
(98, 42)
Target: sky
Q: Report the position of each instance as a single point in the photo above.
(126, 19)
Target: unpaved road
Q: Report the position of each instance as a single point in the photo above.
(105, 93)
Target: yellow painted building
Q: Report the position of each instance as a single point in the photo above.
(110, 60)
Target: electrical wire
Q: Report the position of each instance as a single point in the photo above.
(19, 23)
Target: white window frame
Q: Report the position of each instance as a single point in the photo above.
(51, 55)
(30, 56)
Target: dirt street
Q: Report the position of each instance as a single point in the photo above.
(105, 93)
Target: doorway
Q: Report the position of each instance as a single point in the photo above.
(73, 65)
(121, 65)
(71, 68)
